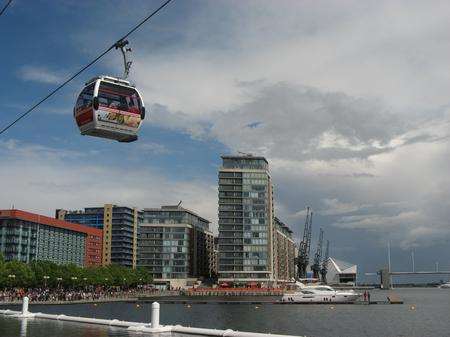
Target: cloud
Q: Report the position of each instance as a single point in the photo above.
(42, 179)
(161, 116)
(306, 123)
(16, 149)
(336, 207)
(353, 115)
(153, 148)
(40, 74)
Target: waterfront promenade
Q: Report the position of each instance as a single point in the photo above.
(47, 296)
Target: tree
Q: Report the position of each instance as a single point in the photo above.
(19, 274)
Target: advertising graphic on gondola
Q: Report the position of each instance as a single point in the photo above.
(118, 117)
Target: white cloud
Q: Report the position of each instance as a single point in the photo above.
(153, 148)
(42, 179)
(361, 49)
(336, 207)
(348, 101)
(40, 74)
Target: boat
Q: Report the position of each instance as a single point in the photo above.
(445, 285)
(319, 293)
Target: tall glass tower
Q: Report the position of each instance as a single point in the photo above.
(246, 230)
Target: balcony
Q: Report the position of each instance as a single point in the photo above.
(230, 188)
(228, 228)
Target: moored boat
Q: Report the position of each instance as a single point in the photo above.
(445, 285)
(319, 294)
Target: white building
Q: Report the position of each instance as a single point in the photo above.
(341, 272)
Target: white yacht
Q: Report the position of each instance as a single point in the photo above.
(319, 293)
(445, 285)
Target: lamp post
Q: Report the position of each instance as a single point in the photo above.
(11, 278)
(46, 277)
(73, 278)
(85, 282)
(59, 279)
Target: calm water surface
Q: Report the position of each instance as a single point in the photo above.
(426, 312)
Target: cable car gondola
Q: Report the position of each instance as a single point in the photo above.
(110, 107)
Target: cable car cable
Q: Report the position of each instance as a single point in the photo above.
(4, 7)
(85, 67)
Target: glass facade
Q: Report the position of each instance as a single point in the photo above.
(30, 237)
(92, 218)
(60, 245)
(121, 230)
(245, 219)
(18, 240)
(175, 243)
(165, 251)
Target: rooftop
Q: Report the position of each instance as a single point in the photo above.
(343, 267)
(175, 208)
(244, 156)
(45, 220)
(283, 225)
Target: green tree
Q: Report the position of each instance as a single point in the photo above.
(19, 274)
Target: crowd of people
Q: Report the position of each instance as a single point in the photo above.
(61, 294)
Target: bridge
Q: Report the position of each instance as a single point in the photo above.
(386, 275)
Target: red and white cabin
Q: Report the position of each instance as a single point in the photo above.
(111, 108)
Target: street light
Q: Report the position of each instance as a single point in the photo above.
(11, 278)
(59, 279)
(46, 277)
(74, 278)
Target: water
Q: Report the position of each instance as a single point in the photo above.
(430, 317)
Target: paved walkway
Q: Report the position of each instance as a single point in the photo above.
(133, 298)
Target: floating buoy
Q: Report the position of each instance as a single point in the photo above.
(188, 305)
(412, 307)
(137, 306)
(256, 307)
(332, 307)
(95, 304)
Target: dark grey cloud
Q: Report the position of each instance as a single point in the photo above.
(304, 123)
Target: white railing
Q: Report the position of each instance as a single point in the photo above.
(152, 327)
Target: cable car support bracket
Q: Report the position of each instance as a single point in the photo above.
(121, 44)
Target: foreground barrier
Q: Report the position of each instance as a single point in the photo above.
(153, 327)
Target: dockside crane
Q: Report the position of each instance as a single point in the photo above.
(318, 256)
(305, 246)
(324, 269)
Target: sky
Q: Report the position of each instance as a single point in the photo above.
(348, 100)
